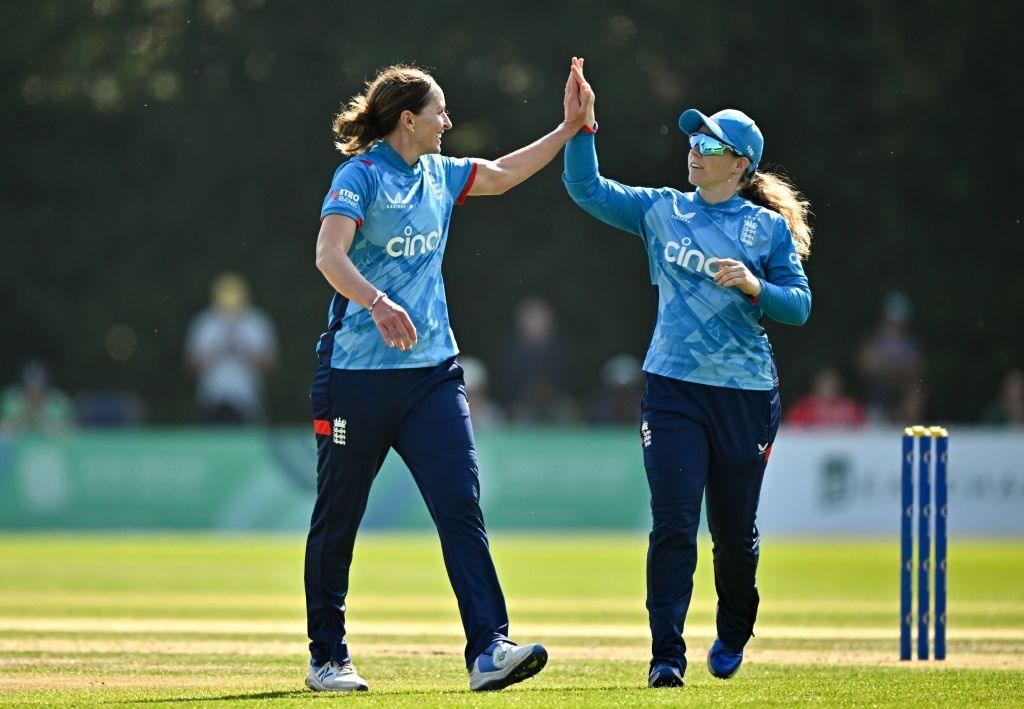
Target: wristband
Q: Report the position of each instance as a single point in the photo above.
(381, 295)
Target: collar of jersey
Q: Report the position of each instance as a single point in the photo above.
(383, 150)
(730, 205)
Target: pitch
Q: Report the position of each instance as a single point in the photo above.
(118, 619)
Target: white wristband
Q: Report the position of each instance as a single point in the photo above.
(380, 296)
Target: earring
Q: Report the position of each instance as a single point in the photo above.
(411, 129)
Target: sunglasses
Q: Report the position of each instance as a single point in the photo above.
(709, 145)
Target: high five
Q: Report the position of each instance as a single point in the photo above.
(722, 257)
(387, 375)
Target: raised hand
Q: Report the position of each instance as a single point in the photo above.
(586, 92)
(575, 109)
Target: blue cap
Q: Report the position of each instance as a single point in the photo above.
(734, 128)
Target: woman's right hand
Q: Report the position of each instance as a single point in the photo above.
(394, 324)
(587, 96)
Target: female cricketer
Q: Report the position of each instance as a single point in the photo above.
(722, 257)
(387, 375)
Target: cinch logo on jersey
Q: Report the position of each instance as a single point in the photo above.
(693, 259)
(410, 245)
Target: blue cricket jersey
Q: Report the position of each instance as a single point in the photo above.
(705, 333)
(402, 214)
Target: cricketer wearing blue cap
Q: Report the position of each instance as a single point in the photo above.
(388, 376)
(722, 257)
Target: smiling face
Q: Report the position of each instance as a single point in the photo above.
(714, 170)
(431, 123)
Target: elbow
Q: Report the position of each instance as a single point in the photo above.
(805, 312)
(794, 319)
(577, 191)
(321, 258)
(801, 316)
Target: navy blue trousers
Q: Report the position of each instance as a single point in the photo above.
(703, 440)
(423, 414)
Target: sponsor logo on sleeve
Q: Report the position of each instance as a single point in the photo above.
(343, 195)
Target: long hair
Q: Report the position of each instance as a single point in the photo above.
(374, 113)
(775, 192)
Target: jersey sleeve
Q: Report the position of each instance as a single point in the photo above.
(785, 292)
(352, 189)
(612, 202)
(459, 174)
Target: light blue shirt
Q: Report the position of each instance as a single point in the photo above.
(402, 214)
(705, 333)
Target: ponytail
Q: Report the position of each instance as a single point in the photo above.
(775, 192)
(374, 113)
(355, 127)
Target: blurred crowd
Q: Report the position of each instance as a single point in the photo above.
(231, 349)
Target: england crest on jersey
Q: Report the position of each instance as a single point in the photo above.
(749, 231)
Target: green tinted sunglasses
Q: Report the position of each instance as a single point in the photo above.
(709, 145)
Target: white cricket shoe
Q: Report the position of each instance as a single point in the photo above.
(335, 677)
(503, 664)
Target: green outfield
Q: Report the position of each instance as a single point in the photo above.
(200, 618)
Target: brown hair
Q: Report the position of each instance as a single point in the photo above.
(775, 192)
(375, 112)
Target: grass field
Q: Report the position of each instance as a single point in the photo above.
(197, 619)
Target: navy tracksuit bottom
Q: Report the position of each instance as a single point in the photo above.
(359, 415)
(703, 440)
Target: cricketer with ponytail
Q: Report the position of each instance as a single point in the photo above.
(722, 257)
(387, 375)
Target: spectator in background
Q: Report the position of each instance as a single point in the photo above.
(533, 368)
(231, 347)
(483, 412)
(34, 405)
(1008, 408)
(622, 387)
(826, 406)
(892, 366)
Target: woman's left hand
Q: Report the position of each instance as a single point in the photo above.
(734, 274)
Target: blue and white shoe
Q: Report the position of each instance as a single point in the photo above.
(723, 661)
(503, 664)
(335, 677)
(664, 674)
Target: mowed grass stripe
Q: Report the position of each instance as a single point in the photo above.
(235, 627)
(255, 602)
(85, 652)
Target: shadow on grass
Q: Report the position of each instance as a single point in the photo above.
(295, 693)
(222, 698)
